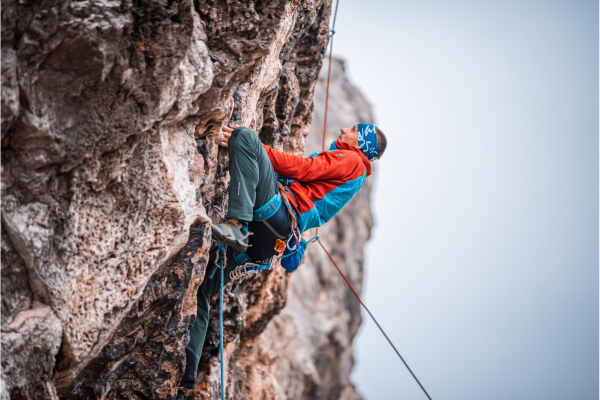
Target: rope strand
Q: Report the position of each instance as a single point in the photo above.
(317, 230)
(374, 320)
(327, 95)
(221, 322)
(337, 3)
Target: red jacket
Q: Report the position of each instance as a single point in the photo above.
(324, 182)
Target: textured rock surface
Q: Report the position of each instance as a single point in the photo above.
(111, 174)
(304, 352)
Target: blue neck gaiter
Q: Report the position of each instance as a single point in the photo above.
(367, 141)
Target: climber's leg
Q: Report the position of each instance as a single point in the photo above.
(252, 181)
(251, 186)
(197, 336)
(208, 289)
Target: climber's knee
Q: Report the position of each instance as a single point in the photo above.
(237, 131)
(243, 137)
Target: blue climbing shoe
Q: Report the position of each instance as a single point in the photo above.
(230, 235)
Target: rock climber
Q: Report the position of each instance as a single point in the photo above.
(273, 197)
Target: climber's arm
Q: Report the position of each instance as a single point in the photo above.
(325, 166)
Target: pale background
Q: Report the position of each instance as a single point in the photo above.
(483, 266)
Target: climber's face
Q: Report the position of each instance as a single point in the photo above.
(349, 135)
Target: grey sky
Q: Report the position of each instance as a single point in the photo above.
(483, 266)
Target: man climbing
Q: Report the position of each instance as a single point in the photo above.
(273, 197)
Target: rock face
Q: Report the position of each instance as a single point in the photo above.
(111, 175)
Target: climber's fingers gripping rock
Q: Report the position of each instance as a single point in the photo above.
(227, 134)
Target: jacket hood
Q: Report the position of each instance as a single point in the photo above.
(345, 146)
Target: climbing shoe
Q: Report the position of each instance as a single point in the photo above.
(230, 235)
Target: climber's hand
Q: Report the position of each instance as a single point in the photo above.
(227, 134)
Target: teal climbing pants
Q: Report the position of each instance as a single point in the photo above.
(251, 174)
(251, 187)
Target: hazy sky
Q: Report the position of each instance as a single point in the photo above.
(483, 266)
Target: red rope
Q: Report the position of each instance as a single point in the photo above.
(328, 82)
(327, 95)
(377, 323)
(317, 230)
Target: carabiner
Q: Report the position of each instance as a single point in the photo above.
(312, 240)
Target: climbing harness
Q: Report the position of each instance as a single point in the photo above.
(316, 238)
(245, 265)
(268, 210)
(272, 206)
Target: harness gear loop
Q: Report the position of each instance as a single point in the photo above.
(240, 271)
(245, 265)
(249, 267)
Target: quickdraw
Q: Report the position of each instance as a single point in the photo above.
(249, 267)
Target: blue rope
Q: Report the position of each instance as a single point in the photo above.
(223, 264)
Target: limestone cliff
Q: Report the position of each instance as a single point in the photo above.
(111, 175)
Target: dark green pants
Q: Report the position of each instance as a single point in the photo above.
(251, 175)
(251, 187)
